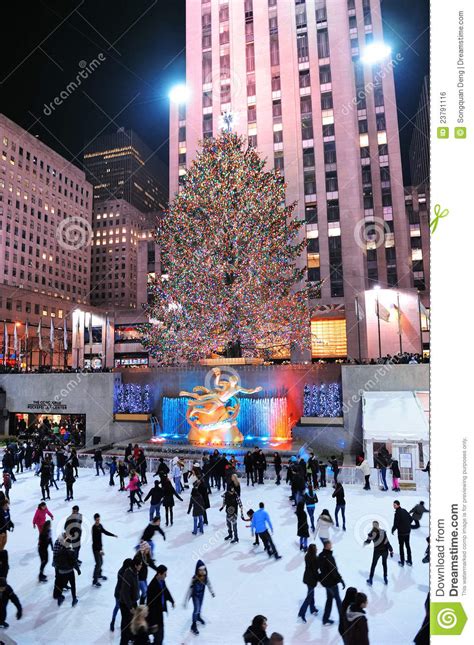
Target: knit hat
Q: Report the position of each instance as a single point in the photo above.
(199, 564)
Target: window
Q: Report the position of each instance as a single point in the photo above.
(309, 183)
(311, 214)
(326, 101)
(207, 123)
(331, 182)
(250, 57)
(251, 85)
(324, 74)
(206, 67)
(278, 136)
(274, 51)
(276, 83)
(305, 78)
(333, 210)
(308, 157)
(330, 152)
(302, 47)
(323, 43)
(276, 109)
(306, 127)
(279, 162)
(305, 102)
(252, 113)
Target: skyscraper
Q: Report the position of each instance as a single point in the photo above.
(310, 83)
(121, 166)
(420, 142)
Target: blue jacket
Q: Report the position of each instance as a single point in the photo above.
(260, 520)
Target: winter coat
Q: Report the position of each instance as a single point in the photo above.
(357, 627)
(418, 511)
(323, 525)
(129, 588)
(120, 573)
(339, 495)
(97, 532)
(196, 503)
(329, 575)
(133, 484)
(395, 469)
(69, 474)
(39, 517)
(313, 465)
(202, 488)
(149, 532)
(147, 561)
(382, 459)
(303, 530)
(155, 494)
(255, 636)
(5, 522)
(310, 500)
(45, 472)
(380, 539)
(73, 527)
(169, 493)
(64, 557)
(157, 597)
(248, 463)
(364, 467)
(162, 468)
(261, 521)
(401, 521)
(45, 541)
(231, 502)
(277, 463)
(311, 572)
(98, 456)
(4, 566)
(334, 465)
(7, 594)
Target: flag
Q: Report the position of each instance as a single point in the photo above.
(359, 311)
(90, 329)
(65, 334)
(27, 333)
(5, 341)
(51, 334)
(381, 311)
(15, 340)
(40, 340)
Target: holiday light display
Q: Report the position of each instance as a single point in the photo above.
(132, 398)
(322, 400)
(230, 248)
(214, 411)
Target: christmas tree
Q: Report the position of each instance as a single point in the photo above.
(230, 247)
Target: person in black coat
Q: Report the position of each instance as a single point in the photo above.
(402, 524)
(382, 461)
(196, 504)
(256, 633)
(97, 532)
(335, 467)
(302, 526)
(248, 464)
(261, 465)
(382, 548)
(157, 598)
(128, 562)
(169, 493)
(45, 478)
(340, 504)
(314, 469)
(44, 542)
(155, 495)
(329, 577)
(417, 513)
(149, 533)
(322, 474)
(128, 597)
(310, 579)
(202, 488)
(348, 600)
(69, 479)
(99, 462)
(357, 632)
(395, 475)
(7, 594)
(5, 523)
(277, 466)
(4, 566)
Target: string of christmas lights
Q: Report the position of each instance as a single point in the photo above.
(322, 400)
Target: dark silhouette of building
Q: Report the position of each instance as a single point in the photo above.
(420, 142)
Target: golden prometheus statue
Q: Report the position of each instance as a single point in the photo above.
(212, 413)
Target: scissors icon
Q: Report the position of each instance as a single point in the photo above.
(439, 214)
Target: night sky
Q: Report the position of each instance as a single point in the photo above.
(47, 42)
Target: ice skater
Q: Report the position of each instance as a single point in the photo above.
(169, 493)
(99, 462)
(196, 504)
(44, 543)
(133, 487)
(155, 495)
(335, 467)
(323, 526)
(97, 532)
(382, 548)
(122, 472)
(69, 479)
(340, 505)
(417, 513)
(196, 591)
(40, 515)
(128, 562)
(310, 499)
(149, 532)
(7, 594)
(395, 475)
(231, 502)
(112, 466)
(157, 598)
(402, 524)
(363, 466)
(260, 522)
(330, 578)
(302, 530)
(310, 579)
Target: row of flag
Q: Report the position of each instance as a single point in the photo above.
(39, 335)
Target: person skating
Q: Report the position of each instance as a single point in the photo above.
(310, 579)
(97, 532)
(364, 467)
(128, 597)
(335, 467)
(141, 465)
(382, 460)
(231, 502)
(382, 548)
(4, 565)
(330, 578)
(255, 633)
(75, 462)
(169, 494)
(60, 462)
(155, 495)
(112, 466)
(340, 505)
(417, 513)
(6, 523)
(128, 562)
(147, 561)
(73, 528)
(357, 632)
(158, 597)
(249, 468)
(133, 486)
(277, 467)
(64, 562)
(122, 472)
(196, 591)
(69, 479)
(45, 478)
(313, 471)
(99, 462)
(202, 488)
(322, 473)
(7, 484)
(347, 601)
(323, 526)
(302, 530)
(196, 504)
(149, 533)
(139, 626)
(395, 475)
(177, 473)
(310, 499)
(402, 524)
(44, 542)
(8, 595)
(40, 515)
(261, 465)
(260, 524)
(128, 453)
(162, 470)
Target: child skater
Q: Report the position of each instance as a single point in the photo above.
(196, 590)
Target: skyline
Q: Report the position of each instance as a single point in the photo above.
(129, 64)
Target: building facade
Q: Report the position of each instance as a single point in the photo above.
(121, 166)
(294, 75)
(420, 143)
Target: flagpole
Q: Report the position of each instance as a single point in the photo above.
(90, 341)
(358, 326)
(4, 344)
(419, 319)
(399, 322)
(378, 325)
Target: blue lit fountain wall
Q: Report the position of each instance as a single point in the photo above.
(258, 417)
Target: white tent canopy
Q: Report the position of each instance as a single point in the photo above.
(395, 416)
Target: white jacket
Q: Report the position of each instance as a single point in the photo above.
(364, 467)
(322, 527)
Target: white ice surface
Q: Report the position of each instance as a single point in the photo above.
(246, 582)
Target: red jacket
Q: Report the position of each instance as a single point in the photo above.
(40, 517)
(133, 484)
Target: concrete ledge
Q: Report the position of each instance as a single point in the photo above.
(322, 421)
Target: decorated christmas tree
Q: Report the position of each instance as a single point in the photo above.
(230, 248)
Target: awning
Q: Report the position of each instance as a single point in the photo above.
(395, 416)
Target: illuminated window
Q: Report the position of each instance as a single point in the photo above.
(416, 254)
(328, 338)
(363, 140)
(382, 138)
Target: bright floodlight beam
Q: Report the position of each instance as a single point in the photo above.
(376, 52)
(179, 94)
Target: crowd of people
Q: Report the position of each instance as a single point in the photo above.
(141, 594)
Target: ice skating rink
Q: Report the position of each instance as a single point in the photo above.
(245, 580)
